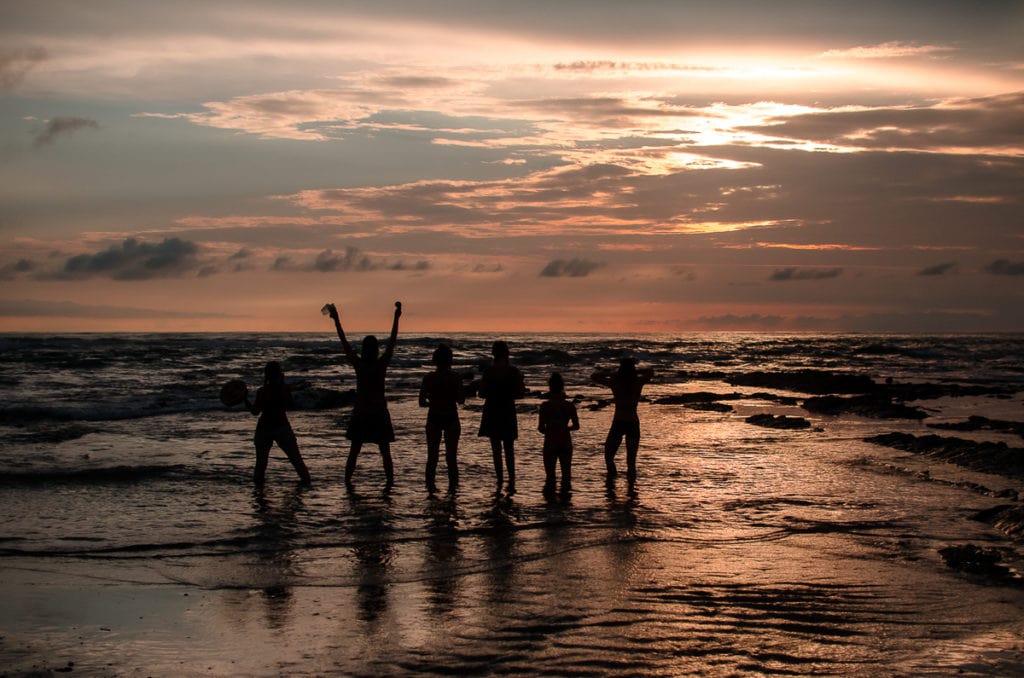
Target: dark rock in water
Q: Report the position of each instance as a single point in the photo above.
(1007, 518)
(979, 423)
(806, 381)
(696, 397)
(988, 457)
(875, 407)
(709, 407)
(547, 356)
(778, 421)
(978, 560)
(775, 398)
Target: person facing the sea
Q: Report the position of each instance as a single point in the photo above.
(273, 399)
(556, 420)
(441, 393)
(370, 421)
(626, 384)
(500, 387)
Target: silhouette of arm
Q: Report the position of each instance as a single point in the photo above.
(424, 400)
(541, 420)
(574, 417)
(255, 407)
(520, 385)
(389, 350)
(345, 346)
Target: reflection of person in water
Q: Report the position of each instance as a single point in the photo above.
(441, 393)
(370, 421)
(556, 421)
(500, 387)
(273, 399)
(626, 384)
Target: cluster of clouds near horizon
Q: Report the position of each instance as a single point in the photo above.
(567, 166)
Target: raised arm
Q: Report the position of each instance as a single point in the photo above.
(345, 346)
(389, 350)
(603, 377)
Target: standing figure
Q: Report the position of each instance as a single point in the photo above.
(557, 420)
(273, 400)
(371, 421)
(500, 387)
(626, 385)
(441, 393)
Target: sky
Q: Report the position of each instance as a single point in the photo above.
(562, 166)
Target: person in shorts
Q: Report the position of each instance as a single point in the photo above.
(272, 402)
(626, 384)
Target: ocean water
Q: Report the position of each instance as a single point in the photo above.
(740, 550)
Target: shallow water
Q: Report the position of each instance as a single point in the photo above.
(133, 541)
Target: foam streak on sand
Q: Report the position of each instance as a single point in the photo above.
(132, 540)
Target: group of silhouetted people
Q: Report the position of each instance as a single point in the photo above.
(441, 393)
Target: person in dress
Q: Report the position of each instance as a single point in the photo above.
(626, 384)
(272, 402)
(370, 421)
(557, 420)
(500, 386)
(441, 393)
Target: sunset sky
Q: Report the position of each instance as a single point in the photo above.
(568, 166)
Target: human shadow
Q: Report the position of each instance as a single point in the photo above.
(444, 554)
(371, 527)
(278, 536)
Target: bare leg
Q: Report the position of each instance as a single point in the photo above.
(632, 447)
(350, 465)
(451, 457)
(611, 447)
(291, 448)
(565, 461)
(260, 472)
(496, 455)
(550, 459)
(433, 453)
(510, 464)
(389, 468)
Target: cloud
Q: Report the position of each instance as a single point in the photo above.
(15, 65)
(730, 321)
(794, 273)
(886, 50)
(62, 126)
(12, 270)
(939, 269)
(978, 124)
(33, 308)
(352, 260)
(1005, 267)
(135, 260)
(570, 268)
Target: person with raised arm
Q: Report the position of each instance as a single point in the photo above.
(370, 421)
(441, 393)
(272, 402)
(626, 384)
(500, 386)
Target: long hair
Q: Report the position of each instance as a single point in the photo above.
(273, 375)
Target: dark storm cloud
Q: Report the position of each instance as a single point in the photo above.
(570, 268)
(135, 260)
(794, 273)
(1005, 267)
(939, 269)
(62, 126)
(15, 65)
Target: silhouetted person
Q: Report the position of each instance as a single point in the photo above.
(370, 421)
(441, 393)
(626, 384)
(500, 387)
(273, 400)
(557, 420)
